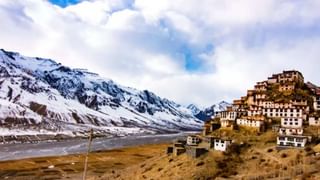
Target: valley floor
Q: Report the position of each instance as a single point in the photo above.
(258, 159)
(78, 146)
(71, 166)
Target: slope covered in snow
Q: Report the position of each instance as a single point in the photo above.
(205, 114)
(39, 95)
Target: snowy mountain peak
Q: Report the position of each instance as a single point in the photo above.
(46, 95)
(194, 108)
(207, 113)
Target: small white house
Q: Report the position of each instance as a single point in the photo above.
(193, 140)
(292, 141)
(314, 121)
(221, 145)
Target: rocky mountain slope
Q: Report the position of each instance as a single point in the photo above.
(40, 96)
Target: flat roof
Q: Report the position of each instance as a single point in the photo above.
(296, 136)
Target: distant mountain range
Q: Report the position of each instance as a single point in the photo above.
(205, 114)
(41, 96)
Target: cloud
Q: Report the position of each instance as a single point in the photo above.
(187, 51)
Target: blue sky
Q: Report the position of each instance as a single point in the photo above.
(64, 3)
(190, 51)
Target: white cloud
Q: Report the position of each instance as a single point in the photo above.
(144, 44)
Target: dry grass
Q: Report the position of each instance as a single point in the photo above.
(71, 167)
(169, 168)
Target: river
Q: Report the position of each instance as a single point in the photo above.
(45, 149)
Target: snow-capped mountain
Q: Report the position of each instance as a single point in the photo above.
(41, 96)
(194, 109)
(207, 113)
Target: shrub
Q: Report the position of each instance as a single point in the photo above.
(284, 155)
(270, 150)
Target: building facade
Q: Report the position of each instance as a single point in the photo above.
(193, 140)
(286, 112)
(292, 141)
(221, 144)
(314, 121)
(250, 122)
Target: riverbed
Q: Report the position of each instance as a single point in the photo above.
(79, 146)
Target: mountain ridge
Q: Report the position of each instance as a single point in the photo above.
(39, 91)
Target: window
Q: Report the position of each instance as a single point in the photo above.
(299, 140)
(290, 139)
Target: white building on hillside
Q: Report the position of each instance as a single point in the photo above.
(314, 121)
(292, 141)
(252, 122)
(291, 126)
(221, 144)
(193, 140)
(227, 119)
(291, 131)
(290, 122)
(228, 115)
(290, 112)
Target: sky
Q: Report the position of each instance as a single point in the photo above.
(189, 51)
